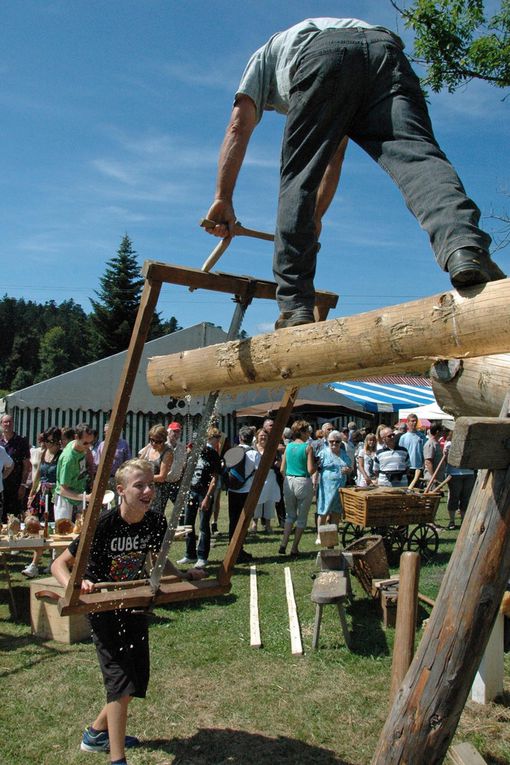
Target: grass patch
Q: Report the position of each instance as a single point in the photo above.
(212, 699)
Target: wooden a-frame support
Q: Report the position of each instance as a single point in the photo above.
(138, 594)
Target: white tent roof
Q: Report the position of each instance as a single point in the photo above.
(428, 412)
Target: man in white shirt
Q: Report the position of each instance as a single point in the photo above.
(336, 79)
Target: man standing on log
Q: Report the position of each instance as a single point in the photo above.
(336, 79)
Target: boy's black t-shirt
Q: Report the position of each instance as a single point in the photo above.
(119, 549)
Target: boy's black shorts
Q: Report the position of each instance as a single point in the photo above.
(121, 639)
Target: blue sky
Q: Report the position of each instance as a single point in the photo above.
(112, 116)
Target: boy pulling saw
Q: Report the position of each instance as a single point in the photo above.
(124, 536)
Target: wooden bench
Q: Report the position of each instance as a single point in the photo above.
(330, 587)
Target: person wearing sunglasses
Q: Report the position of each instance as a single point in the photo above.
(334, 465)
(391, 463)
(160, 455)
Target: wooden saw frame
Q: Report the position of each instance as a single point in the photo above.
(138, 594)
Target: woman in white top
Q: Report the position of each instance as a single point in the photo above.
(270, 493)
(366, 475)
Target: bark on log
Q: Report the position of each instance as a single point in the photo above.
(471, 387)
(402, 337)
(428, 705)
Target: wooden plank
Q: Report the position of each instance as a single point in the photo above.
(480, 442)
(296, 643)
(392, 339)
(465, 754)
(229, 283)
(255, 640)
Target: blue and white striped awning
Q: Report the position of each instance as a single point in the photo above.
(385, 397)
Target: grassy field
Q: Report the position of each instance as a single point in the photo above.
(212, 699)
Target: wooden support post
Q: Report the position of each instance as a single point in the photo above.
(140, 333)
(471, 387)
(255, 640)
(407, 610)
(266, 462)
(296, 644)
(428, 705)
(395, 338)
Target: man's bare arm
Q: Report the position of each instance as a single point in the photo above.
(233, 149)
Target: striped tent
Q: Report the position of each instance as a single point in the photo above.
(387, 394)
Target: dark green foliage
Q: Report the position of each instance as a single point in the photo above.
(114, 313)
(457, 41)
(40, 341)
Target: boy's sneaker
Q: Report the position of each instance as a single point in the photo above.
(185, 561)
(100, 741)
(214, 528)
(31, 571)
(201, 563)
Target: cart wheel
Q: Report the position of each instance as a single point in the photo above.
(351, 532)
(395, 539)
(425, 540)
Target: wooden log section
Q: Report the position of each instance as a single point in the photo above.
(398, 338)
(429, 703)
(471, 387)
(407, 611)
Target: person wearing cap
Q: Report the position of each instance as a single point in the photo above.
(178, 450)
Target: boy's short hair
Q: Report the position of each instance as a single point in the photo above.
(128, 466)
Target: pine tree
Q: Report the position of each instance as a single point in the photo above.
(114, 313)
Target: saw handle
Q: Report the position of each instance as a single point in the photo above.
(224, 243)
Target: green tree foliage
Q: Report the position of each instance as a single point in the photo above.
(458, 41)
(39, 341)
(114, 314)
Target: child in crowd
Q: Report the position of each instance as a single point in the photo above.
(124, 536)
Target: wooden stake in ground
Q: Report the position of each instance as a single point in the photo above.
(296, 643)
(255, 640)
(407, 611)
(408, 336)
(429, 703)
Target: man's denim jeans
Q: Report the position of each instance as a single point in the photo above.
(359, 83)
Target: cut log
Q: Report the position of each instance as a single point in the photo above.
(398, 338)
(471, 387)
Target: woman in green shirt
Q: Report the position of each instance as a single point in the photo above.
(298, 466)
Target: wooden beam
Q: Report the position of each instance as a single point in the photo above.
(243, 286)
(428, 705)
(480, 442)
(471, 387)
(397, 338)
(143, 597)
(148, 301)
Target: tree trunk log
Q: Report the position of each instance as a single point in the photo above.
(429, 703)
(402, 337)
(471, 387)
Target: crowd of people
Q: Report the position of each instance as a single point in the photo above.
(54, 479)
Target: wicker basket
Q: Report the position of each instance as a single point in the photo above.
(383, 507)
(369, 560)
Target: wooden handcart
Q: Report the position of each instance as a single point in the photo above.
(404, 518)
